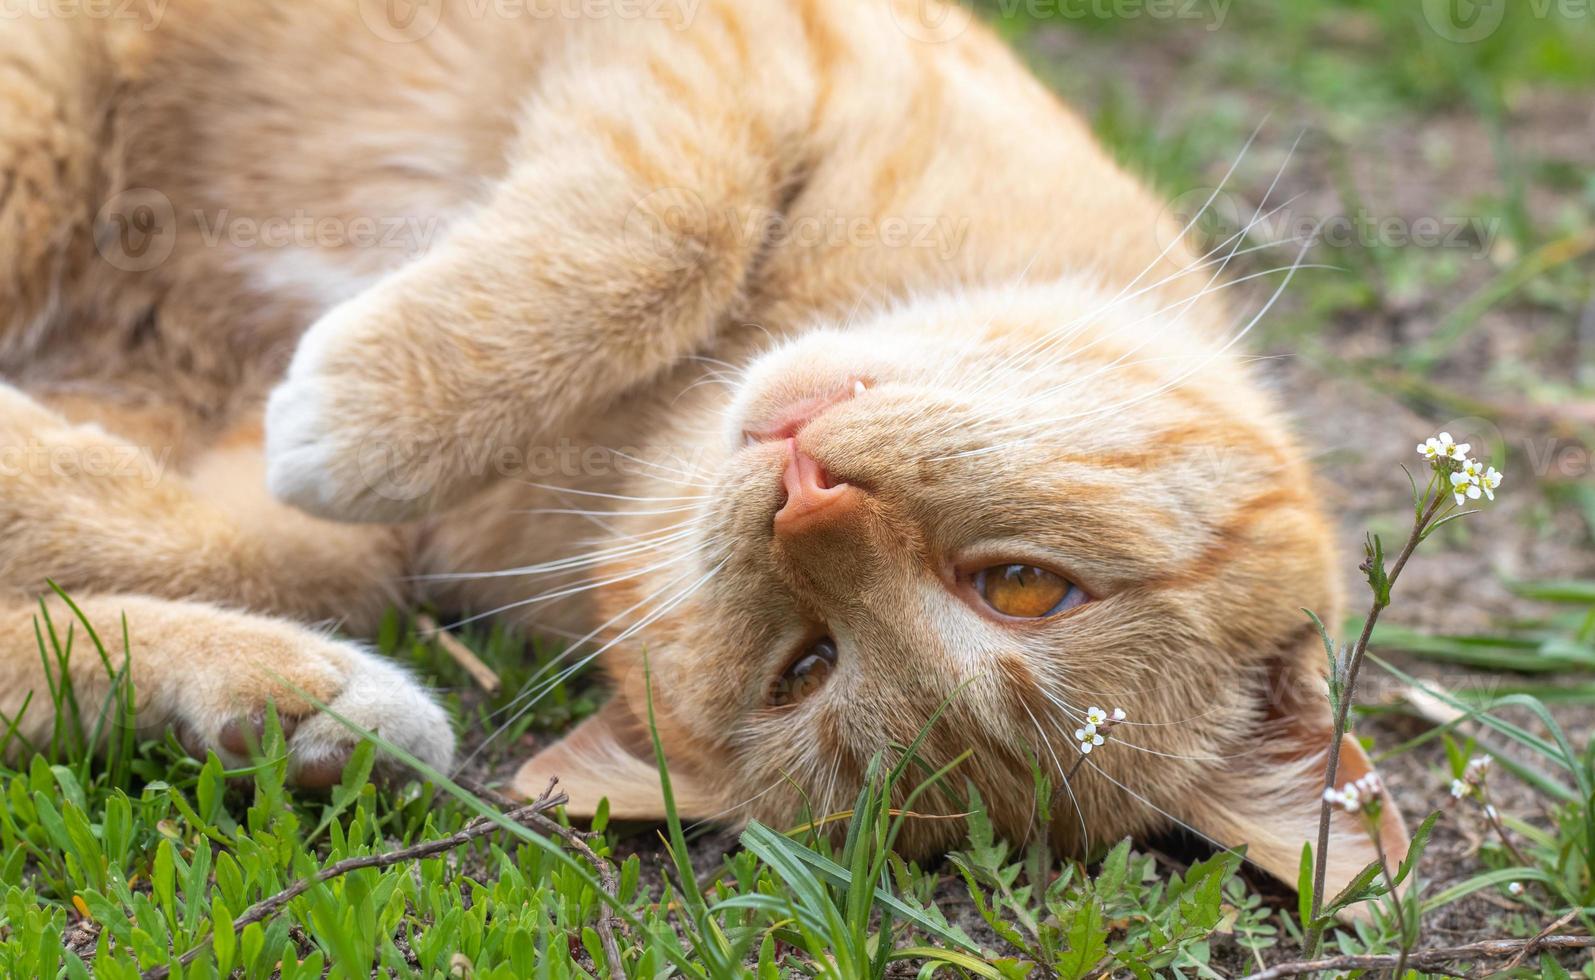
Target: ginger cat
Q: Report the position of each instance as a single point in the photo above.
(809, 347)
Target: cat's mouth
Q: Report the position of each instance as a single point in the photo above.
(784, 421)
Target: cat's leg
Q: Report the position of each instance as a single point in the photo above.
(625, 233)
(55, 86)
(118, 528)
(95, 513)
(208, 674)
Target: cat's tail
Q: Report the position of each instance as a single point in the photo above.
(57, 92)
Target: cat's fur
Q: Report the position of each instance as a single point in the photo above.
(631, 240)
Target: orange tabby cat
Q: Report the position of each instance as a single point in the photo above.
(808, 347)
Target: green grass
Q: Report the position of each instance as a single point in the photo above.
(121, 861)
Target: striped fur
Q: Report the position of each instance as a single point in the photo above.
(555, 268)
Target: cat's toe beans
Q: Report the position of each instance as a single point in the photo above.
(242, 736)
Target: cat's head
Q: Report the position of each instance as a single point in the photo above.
(1008, 507)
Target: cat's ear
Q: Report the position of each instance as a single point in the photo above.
(611, 755)
(1269, 799)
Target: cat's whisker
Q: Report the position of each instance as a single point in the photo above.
(1203, 261)
(687, 477)
(1200, 212)
(626, 634)
(1121, 362)
(699, 384)
(1032, 351)
(1063, 775)
(617, 496)
(705, 359)
(1076, 716)
(1159, 390)
(676, 532)
(1183, 825)
(574, 512)
(1206, 261)
(578, 642)
(529, 699)
(722, 814)
(1130, 286)
(568, 591)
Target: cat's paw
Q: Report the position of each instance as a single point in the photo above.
(365, 690)
(345, 439)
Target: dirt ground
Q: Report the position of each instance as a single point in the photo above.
(1360, 433)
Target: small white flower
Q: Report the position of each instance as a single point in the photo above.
(1490, 481)
(1443, 447)
(1119, 715)
(1477, 767)
(1370, 785)
(1088, 738)
(1459, 789)
(1347, 797)
(1491, 812)
(1465, 489)
(1516, 888)
(1095, 716)
(1474, 469)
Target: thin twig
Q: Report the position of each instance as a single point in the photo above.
(1523, 953)
(267, 907)
(608, 921)
(484, 676)
(1489, 949)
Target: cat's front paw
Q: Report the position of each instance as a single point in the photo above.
(360, 690)
(346, 435)
(378, 697)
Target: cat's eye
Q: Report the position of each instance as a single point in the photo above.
(806, 674)
(1025, 591)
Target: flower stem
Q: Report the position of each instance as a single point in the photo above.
(1491, 815)
(1347, 695)
(1407, 942)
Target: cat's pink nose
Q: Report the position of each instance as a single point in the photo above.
(813, 499)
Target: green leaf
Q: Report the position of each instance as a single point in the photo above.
(224, 941)
(1304, 886)
(1359, 889)
(1420, 840)
(769, 844)
(1088, 941)
(979, 967)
